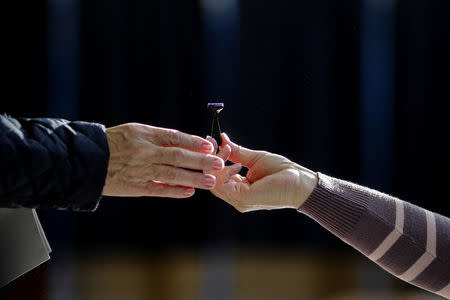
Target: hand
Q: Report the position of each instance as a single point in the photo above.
(272, 181)
(150, 161)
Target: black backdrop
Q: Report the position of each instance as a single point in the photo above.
(293, 88)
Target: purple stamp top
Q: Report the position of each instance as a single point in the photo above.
(217, 107)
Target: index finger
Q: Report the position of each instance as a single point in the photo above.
(174, 138)
(183, 158)
(240, 154)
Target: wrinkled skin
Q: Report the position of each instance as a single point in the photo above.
(152, 161)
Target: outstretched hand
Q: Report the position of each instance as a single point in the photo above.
(272, 181)
(152, 161)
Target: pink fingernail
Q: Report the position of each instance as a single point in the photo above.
(188, 191)
(207, 147)
(218, 164)
(209, 182)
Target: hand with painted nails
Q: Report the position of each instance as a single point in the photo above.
(151, 161)
(272, 181)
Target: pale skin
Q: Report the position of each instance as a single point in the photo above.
(272, 181)
(158, 162)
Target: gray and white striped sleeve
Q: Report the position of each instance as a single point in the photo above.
(408, 241)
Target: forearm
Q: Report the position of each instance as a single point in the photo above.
(409, 242)
(52, 163)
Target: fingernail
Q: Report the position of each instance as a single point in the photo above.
(188, 191)
(207, 147)
(218, 164)
(209, 181)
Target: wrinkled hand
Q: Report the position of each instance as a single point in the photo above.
(272, 181)
(151, 161)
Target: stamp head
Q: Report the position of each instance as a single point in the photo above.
(215, 107)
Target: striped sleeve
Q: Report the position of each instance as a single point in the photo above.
(406, 240)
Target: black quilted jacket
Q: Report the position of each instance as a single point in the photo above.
(52, 163)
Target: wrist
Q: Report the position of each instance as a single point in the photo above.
(307, 181)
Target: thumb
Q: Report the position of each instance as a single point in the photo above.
(240, 154)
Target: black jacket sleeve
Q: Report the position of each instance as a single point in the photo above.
(52, 163)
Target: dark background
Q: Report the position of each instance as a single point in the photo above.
(354, 89)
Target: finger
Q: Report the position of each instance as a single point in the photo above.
(178, 176)
(174, 138)
(179, 157)
(234, 169)
(224, 176)
(225, 187)
(239, 178)
(214, 142)
(157, 189)
(225, 152)
(240, 154)
(234, 192)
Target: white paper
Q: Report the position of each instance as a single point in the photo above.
(41, 232)
(23, 245)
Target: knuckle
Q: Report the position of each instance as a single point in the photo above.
(174, 137)
(156, 153)
(177, 156)
(171, 175)
(129, 129)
